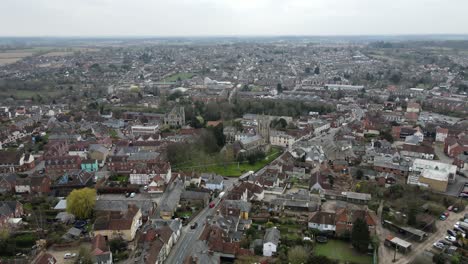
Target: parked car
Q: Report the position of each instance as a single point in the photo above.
(132, 195)
(446, 213)
(442, 217)
(445, 242)
(69, 255)
(212, 205)
(451, 233)
(451, 238)
(439, 245)
(458, 229)
(194, 225)
(450, 208)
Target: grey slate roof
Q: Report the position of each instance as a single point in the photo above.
(272, 235)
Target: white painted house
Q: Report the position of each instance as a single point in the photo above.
(323, 221)
(271, 241)
(213, 181)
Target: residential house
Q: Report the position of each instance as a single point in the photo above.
(98, 152)
(58, 165)
(147, 206)
(115, 224)
(219, 242)
(413, 107)
(44, 258)
(319, 182)
(15, 161)
(8, 211)
(33, 185)
(323, 221)
(194, 198)
(157, 185)
(441, 134)
(201, 254)
(142, 174)
(124, 164)
(417, 151)
(169, 205)
(7, 183)
(72, 180)
(246, 191)
(345, 219)
(212, 181)
(271, 241)
(89, 165)
(281, 138)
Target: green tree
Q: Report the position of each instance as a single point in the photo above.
(360, 237)
(438, 258)
(455, 259)
(412, 214)
(320, 260)
(317, 70)
(279, 88)
(84, 256)
(359, 174)
(81, 202)
(298, 255)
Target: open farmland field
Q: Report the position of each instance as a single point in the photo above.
(12, 56)
(66, 51)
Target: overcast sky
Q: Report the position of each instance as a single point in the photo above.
(231, 17)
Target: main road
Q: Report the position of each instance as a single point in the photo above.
(183, 247)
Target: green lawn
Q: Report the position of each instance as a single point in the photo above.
(236, 170)
(181, 75)
(341, 251)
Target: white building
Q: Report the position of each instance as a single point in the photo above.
(322, 221)
(144, 130)
(213, 181)
(271, 241)
(281, 138)
(437, 167)
(441, 134)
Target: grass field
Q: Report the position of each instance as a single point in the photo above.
(181, 75)
(342, 252)
(236, 170)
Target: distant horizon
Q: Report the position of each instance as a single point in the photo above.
(230, 18)
(241, 36)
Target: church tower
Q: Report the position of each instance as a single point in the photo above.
(263, 127)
